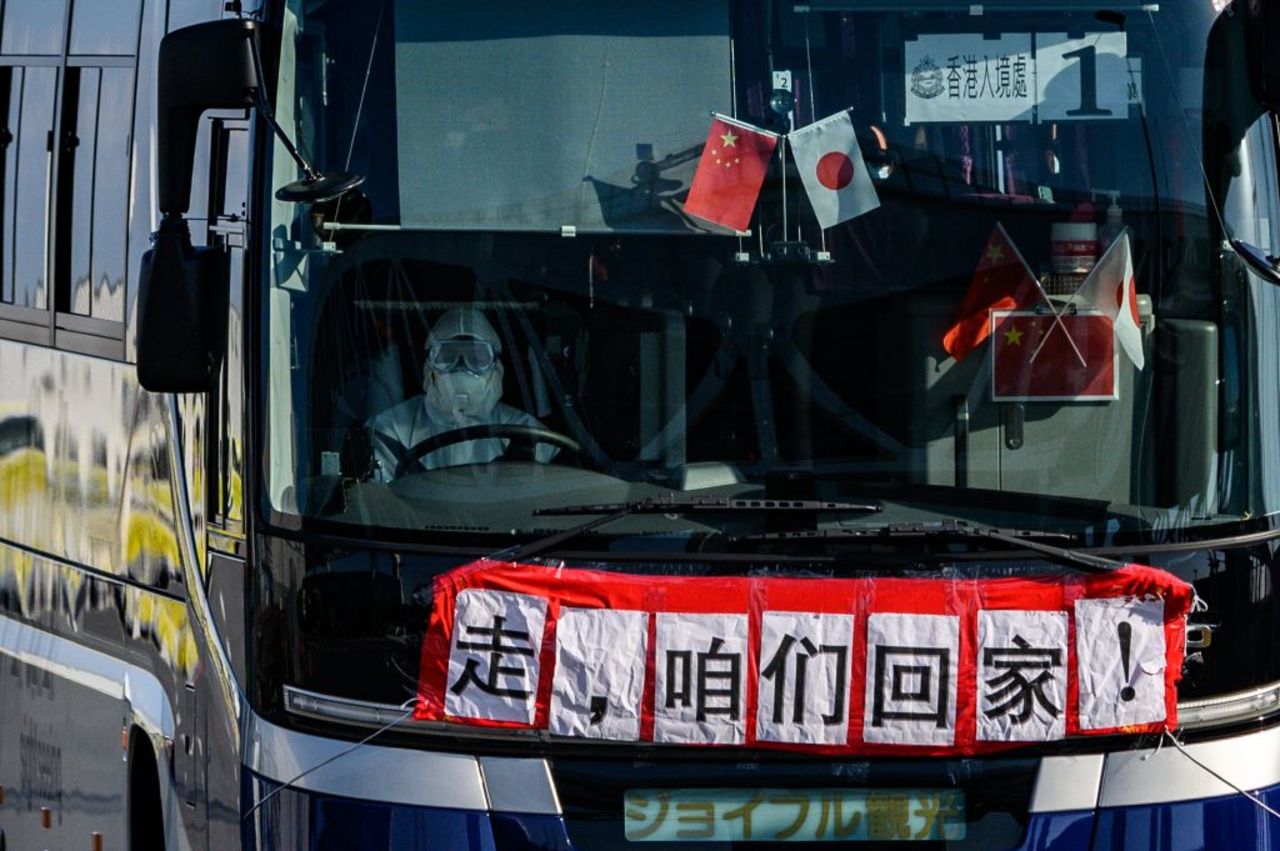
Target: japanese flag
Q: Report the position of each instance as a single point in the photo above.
(1112, 289)
(830, 164)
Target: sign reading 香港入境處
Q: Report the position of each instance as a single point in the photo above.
(1019, 77)
(824, 665)
(968, 77)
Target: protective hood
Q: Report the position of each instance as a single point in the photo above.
(459, 398)
(463, 322)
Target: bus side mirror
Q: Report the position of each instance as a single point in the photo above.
(202, 67)
(1262, 50)
(181, 302)
(183, 289)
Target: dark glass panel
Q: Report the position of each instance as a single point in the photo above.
(34, 26)
(111, 193)
(105, 27)
(11, 90)
(86, 130)
(31, 229)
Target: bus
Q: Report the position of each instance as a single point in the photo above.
(655, 425)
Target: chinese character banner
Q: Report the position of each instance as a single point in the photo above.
(835, 666)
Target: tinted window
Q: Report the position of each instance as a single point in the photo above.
(86, 130)
(35, 26)
(111, 193)
(143, 218)
(99, 190)
(105, 27)
(31, 187)
(685, 360)
(11, 91)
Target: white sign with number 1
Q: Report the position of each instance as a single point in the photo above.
(1084, 79)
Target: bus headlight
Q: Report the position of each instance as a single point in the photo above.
(1235, 707)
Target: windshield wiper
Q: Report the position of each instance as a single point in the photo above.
(685, 505)
(1026, 539)
(649, 505)
(524, 551)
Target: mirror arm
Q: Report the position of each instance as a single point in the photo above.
(265, 109)
(1263, 264)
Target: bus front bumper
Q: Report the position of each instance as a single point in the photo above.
(378, 797)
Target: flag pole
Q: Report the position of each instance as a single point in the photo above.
(813, 107)
(791, 124)
(782, 163)
(1097, 266)
(1057, 323)
(1057, 317)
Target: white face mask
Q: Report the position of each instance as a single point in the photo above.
(462, 397)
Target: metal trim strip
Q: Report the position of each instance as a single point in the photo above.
(511, 784)
(95, 572)
(1067, 783)
(225, 684)
(92, 669)
(1164, 775)
(517, 785)
(369, 772)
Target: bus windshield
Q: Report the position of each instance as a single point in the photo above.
(995, 285)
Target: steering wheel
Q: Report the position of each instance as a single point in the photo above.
(515, 432)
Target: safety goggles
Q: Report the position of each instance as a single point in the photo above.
(475, 356)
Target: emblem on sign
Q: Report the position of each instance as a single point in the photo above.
(926, 79)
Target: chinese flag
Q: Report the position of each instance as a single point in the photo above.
(1033, 359)
(1002, 281)
(730, 173)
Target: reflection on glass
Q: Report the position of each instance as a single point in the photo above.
(33, 26)
(82, 185)
(105, 27)
(11, 91)
(31, 228)
(111, 194)
(798, 360)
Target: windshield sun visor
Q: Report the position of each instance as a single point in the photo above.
(556, 115)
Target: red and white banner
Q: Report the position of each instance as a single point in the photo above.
(832, 666)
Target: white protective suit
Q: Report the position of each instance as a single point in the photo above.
(452, 400)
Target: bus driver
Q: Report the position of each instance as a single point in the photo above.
(463, 384)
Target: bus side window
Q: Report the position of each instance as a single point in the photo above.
(34, 27)
(92, 195)
(95, 176)
(28, 167)
(10, 108)
(228, 189)
(104, 27)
